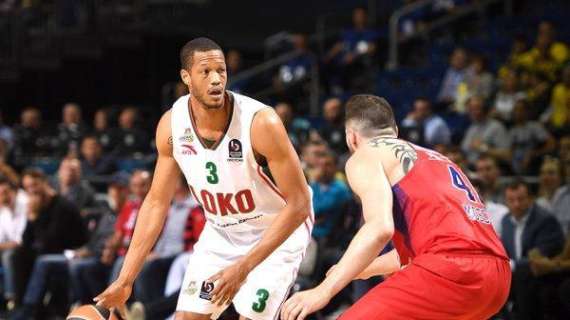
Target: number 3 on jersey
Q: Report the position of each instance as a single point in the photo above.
(460, 182)
(212, 176)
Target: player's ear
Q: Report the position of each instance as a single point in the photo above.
(185, 76)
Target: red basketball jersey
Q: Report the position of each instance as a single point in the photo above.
(436, 209)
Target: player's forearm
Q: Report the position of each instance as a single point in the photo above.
(367, 243)
(149, 224)
(384, 264)
(286, 222)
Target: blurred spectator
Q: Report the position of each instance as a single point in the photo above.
(518, 48)
(332, 131)
(530, 141)
(234, 64)
(68, 184)
(70, 130)
(547, 55)
(353, 55)
(429, 128)
(131, 139)
(488, 173)
(330, 197)
(13, 209)
(549, 181)
(6, 133)
(497, 211)
(5, 169)
(559, 115)
(150, 283)
(480, 81)
(70, 264)
(30, 138)
(457, 74)
(311, 153)
(93, 161)
(526, 229)
(484, 135)
(53, 225)
(103, 130)
(298, 68)
(297, 128)
(537, 91)
(561, 200)
(554, 287)
(116, 247)
(507, 96)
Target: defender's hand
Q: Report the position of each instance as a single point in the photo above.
(114, 296)
(227, 283)
(303, 303)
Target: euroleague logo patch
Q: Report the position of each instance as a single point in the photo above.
(206, 290)
(235, 150)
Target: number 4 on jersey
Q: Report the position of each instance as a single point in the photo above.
(460, 182)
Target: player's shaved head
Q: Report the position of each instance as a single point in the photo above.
(201, 44)
(369, 115)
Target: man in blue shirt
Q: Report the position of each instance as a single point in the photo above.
(330, 196)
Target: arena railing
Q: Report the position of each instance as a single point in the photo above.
(394, 35)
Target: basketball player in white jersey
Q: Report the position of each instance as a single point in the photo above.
(257, 230)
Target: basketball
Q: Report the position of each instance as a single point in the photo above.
(93, 312)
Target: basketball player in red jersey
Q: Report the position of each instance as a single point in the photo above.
(456, 266)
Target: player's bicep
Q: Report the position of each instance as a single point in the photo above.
(166, 171)
(270, 139)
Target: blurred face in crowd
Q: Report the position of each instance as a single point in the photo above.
(34, 185)
(100, 122)
(233, 60)
(476, 107)
(546, 32)
(519, 112)
(550, 174)
(31, 118)
(69, 172)
(487, 171)
(127, 118)
(518, 200)
(422, 109)
(510, 82)
(312, 153)
(478, 64)
(300, 42)
(458, 59)
(7, 195)
(332, 109)
(327, 167)
(284, 112)
(117, 195)
(71, 114)
(140, 184)
(519, 46)
(206, 78)
(91, 149)
(359, 18)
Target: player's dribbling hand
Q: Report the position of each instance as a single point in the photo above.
(303, 303)
(114, 296)
(227, 283)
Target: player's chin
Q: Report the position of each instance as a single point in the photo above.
(214, 103)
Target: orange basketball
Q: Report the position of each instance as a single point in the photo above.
(93, 312)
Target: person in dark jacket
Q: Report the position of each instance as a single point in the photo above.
(53, 226)
(527, 230)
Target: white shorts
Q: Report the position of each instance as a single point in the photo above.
(265, 288)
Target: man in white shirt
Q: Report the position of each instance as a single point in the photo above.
(13, 207)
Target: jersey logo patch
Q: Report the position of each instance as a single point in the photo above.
(235, 152)
(187, 137)
(188, 149)
(206, 290)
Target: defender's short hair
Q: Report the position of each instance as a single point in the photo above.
(195, 45)
(373, 113)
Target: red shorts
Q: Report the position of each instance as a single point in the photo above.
(439, 286)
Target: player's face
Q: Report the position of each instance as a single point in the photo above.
(208, 78)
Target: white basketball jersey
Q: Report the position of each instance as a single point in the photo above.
(227, 180)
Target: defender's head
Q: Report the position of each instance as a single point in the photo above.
(368, 116)
(203, 70)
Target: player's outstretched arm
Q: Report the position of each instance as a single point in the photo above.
(150, 220)
(368, 180)
(385, 264)
(270, 140)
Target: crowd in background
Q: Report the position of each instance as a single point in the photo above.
(70, 193)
